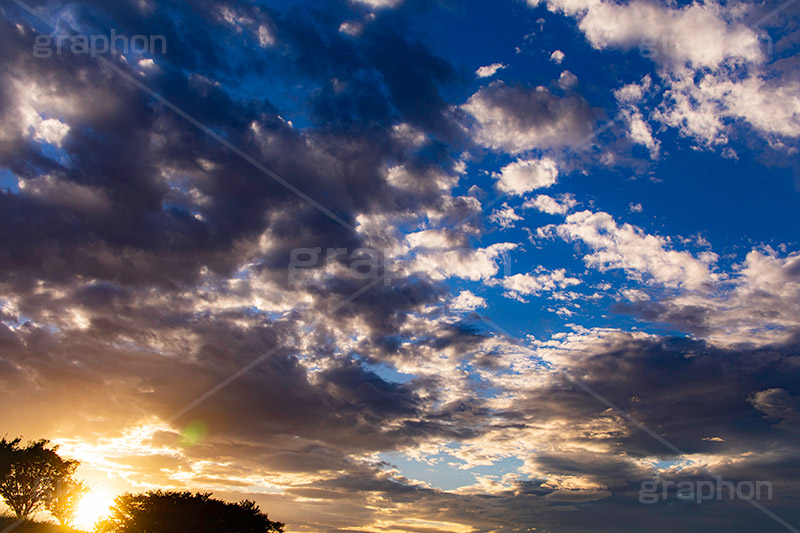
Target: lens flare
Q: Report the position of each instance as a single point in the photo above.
(194, 433)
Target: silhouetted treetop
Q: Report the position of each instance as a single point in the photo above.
(184, 512)
(30, 475)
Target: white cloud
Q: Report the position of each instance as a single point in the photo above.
(51, 131)
(242, 22)
(489, 70)
(557, 57)
(714, 69)
(639, 132)
(434, 239)
(698, 34)
(352, 28)
(31, 104)
(567, 80)
(505, 217)
(147, 64)
(633, 93)
(379, 4)
(550, 205)
(403, 177)
(466, 301)
(759, 304)
(265, 36)
(480, 264)
(516, 119)
(698, 107)
(535, 283)
(627, 247)
(525, 175)
(408, 135)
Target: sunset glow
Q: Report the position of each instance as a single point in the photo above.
(94, 506)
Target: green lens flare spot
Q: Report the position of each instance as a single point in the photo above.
(193, 433)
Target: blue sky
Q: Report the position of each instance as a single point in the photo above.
(416, 265)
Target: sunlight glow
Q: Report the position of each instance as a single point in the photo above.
(93, 506)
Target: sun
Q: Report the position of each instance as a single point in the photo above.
(93, 506)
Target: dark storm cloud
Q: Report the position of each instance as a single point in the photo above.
(120, 143)
(378, 79)
(736, 408)
(384, 307)
(343, 405)
(684, 390)
(760, 306)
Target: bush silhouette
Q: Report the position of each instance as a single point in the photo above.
(184, 512)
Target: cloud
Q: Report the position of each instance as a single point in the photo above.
(633, 93)
(756, 304)
(51, 131)
(379, 4)
(505, 217)
(170, 256)
(714, 67)
(489, 70)
(779, 405)
(56, 191)
(699, 107)
(698, 33)
(525, 175)
(640, 132)
(642, 391)
(627, 247)
(435, 239)
(550, 205)
(557, 57)
(516, 119)
(351, 28)
(567, 80)
(575, 448)
(252, 21)
(541, 280)
(466, 301)
(479, 264)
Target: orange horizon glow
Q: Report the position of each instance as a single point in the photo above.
(93, 506)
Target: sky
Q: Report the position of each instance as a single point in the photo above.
(408, 265)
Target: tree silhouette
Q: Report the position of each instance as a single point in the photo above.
(6, 449)
(29, 475)
(63, 503)
(184, 512)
